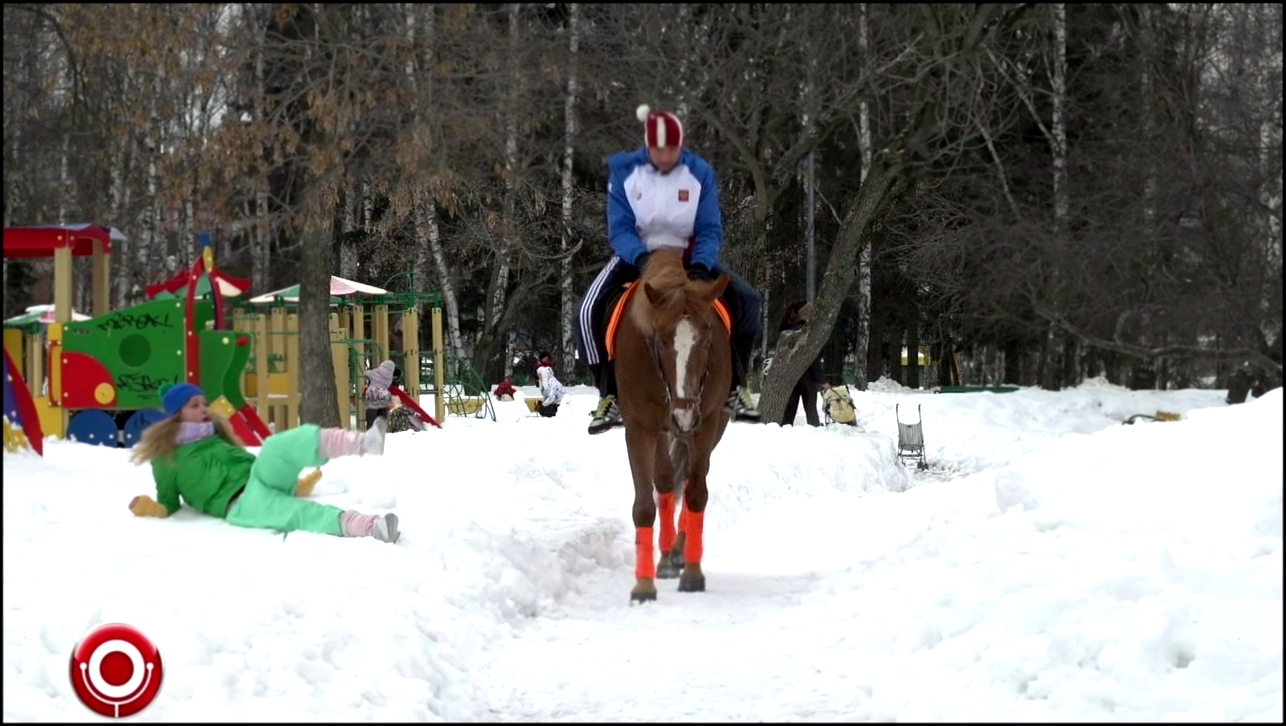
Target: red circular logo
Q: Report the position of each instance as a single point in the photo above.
(116, 670)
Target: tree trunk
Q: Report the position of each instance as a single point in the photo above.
(123, 270)
(882, 188)
(567, 294)
(861, 367)
(319, 403)
(874, 361)
(500, 278)
(261, 239)
(1049, 367)
(1013, 370)
(893, 355)
(348, 230)
(431, 260)
(913, 353)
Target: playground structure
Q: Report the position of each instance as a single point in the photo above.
(271, 376)
(114, 364)
(98, 380)
(361, 334)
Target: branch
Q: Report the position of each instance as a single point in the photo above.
(40, 11)
(1249, 355)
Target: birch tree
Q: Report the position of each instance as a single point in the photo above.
(567, 295)
(861, 349)
(427, 133)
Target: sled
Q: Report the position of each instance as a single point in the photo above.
(413, 405)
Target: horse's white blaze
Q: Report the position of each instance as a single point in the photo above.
(685, 340)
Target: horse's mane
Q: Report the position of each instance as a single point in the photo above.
(665, 271)
(670, 291)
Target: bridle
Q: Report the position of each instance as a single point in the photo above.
(682, 402)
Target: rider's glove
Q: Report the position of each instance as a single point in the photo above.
(699, 271)
(640, 262)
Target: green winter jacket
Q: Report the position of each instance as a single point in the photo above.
(208, 473)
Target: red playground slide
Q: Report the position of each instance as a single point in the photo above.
(413, 405)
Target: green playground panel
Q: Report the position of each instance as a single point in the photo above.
(142, 347)
(222, 362)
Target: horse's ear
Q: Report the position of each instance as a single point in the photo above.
(717, 287)
(654, 295)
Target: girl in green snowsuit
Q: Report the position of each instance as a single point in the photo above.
(195, 453)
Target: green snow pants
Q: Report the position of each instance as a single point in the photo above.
(269, 502)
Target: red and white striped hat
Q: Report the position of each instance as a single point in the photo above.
(660, 128)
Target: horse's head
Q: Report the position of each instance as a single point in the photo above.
(686, 338)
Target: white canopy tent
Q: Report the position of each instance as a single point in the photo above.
(339, 287)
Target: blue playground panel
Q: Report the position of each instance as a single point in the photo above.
(93, 427)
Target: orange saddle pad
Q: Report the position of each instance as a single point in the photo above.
(614, 317)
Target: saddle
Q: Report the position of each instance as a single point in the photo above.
(614, 306)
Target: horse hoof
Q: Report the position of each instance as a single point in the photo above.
(676, 559)
(692, 584)
(642, 597)
(666, 570)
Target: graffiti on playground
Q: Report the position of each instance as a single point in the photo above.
(142, 383)
(133, 321)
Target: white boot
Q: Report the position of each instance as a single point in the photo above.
(373, 439)
(385, 528)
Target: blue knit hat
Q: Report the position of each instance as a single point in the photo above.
(174, 396)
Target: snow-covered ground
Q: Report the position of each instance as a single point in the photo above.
(1053, 564)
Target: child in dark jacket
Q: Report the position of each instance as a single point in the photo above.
(194, 453)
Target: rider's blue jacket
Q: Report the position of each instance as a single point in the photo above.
(648, 210)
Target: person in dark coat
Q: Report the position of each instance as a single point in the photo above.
(810, 382)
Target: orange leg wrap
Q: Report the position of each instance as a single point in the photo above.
(665, 507)
(695, 522)
(645, 556)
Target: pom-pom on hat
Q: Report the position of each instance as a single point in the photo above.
(174, 396)
(660, 128)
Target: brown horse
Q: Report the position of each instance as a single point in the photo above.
(674, 369)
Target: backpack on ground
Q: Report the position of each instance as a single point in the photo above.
(837, 404)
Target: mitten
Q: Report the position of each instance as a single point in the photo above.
(640, 262)
(145, 506)
(307, 482)
(700, 272)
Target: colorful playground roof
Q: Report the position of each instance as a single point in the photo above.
(39, 315)
(338, 287)
(177, 286)
(25, 242)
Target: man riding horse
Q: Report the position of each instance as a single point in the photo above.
(664, 196)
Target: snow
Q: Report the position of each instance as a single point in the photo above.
(1053, 564)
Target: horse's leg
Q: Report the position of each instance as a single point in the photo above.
(665, 481)
(695, 495)
(642, 448)
(680, 539)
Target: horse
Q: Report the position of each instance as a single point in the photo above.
(674, 369)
